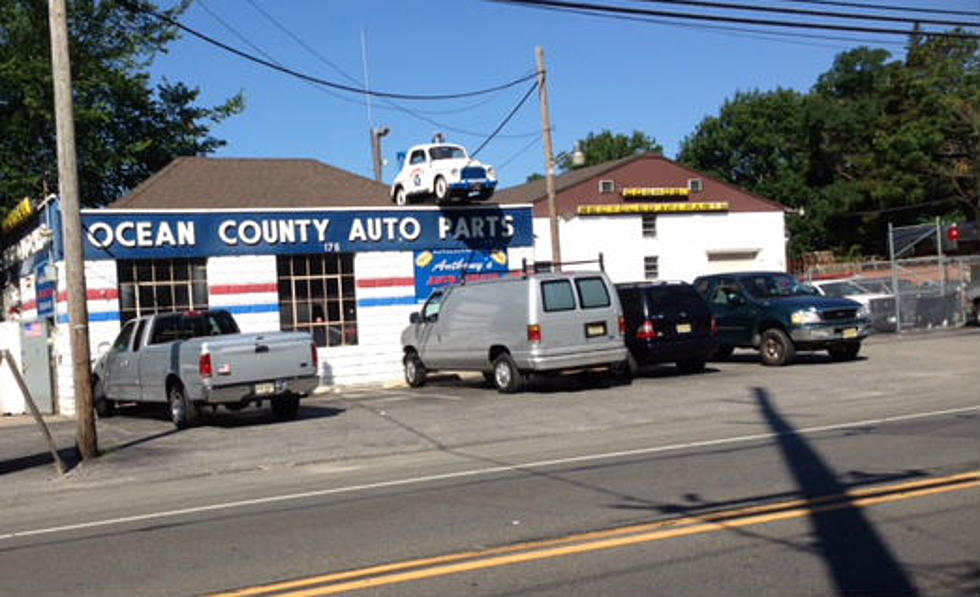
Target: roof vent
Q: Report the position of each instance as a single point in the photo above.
(607, 186)
(694, 184)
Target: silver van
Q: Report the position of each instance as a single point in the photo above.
(513, 326)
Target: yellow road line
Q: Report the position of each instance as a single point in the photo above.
(414, 570)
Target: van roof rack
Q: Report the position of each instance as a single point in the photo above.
(539, 267)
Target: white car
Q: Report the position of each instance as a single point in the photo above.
(880, 307)
(444, 171)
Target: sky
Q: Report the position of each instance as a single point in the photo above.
(661, 77)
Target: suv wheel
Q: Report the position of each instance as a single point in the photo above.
(441, 188)
(506, 376)
(414, 370)
(776, 347)
(845, 352)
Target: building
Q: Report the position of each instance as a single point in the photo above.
(299, 245)
(653, 218)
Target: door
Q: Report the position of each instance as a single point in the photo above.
(733, 312)
(35, 357)
(121, 368)
(427, 337)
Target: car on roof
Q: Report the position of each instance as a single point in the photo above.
(777, 315)
(444, 171)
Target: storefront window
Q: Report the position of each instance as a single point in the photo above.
(316, 295)
(148, 286)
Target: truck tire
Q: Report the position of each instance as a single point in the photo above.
(776, 348)
(506, 376)
(847, 351)
(183, 412)
(285, 407)
(401, 197)
(104, 407)
(440, 189)
(414, 370)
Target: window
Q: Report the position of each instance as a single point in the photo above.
(592, 293)
(148, 286)
(122, 340)
(651, 267)
(649, 226)
(694, 184)
(316, 295)
(557, 295)
(418, 157)
(431, 309)
(607, 186)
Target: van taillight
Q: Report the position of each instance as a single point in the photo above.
(647, 331)
(534, 333)
(204, 366)
(714, 326)
(316, 357)
(622, 325)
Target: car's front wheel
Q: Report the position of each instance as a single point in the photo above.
(414, 370)
(401, 197)
(441, 189)
(776, 348)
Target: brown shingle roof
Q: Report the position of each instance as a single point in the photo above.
(579, 187)
(229, 183)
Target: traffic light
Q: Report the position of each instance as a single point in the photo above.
(951, 238)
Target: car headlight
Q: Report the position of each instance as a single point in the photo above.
(491, 172)
(805, 316)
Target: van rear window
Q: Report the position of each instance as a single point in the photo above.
(592, 293)
(557, 295)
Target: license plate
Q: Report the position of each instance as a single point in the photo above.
(262, 389)
(683, 328)
(850, 332)
(595, 329)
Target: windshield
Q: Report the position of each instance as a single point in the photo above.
(445, 152)
(839, 289)
(763, 286)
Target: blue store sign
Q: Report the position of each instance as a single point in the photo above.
(127, 234)
(47, 289)
(438, 268)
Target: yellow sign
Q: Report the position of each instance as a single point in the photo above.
(639, 192)
(621, 209)
(18, 215)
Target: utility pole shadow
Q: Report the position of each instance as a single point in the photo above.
(856, 556)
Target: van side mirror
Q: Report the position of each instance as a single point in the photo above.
(414, 317)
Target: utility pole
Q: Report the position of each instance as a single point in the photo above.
(376, 134)
(85, 437)
(549, 157)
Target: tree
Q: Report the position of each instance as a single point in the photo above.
(606, 147)
(125, 130)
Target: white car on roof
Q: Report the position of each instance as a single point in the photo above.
(444, 171)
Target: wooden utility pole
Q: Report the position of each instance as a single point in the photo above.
(85, 437)
(549, 157)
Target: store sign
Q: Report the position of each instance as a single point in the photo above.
(647, 192)
(47, 289)
(651, 208)
(438, 268)
(126, 234)
(20, 214)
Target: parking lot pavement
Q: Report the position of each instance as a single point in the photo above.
(459, 412)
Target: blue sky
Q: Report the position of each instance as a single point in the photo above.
(658, 78)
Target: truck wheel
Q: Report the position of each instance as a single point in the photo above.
(401, 197)
(104, 407)
(183, 413)
(414, 370)
(285, 407)
(441, 189)
(776, 348)
(845, 352)
(506, 375)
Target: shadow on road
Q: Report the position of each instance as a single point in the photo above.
(857, 558)
(69, 457)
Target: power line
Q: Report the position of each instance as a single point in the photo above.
(962, 13)
(600, 9)
(506, 120)
(810, 12)
(130, 5)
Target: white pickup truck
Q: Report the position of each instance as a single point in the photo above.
(195, 359)
(444, 171)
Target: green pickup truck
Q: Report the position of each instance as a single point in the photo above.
(776, 314)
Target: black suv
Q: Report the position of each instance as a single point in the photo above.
(667, 322)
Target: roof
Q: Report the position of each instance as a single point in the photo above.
(230, 183)
(580, 187)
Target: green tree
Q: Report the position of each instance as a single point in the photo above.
(605, 147)
(125, 129)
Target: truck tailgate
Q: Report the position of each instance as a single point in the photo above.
(250, 358)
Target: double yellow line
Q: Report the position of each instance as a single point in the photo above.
(413, 570)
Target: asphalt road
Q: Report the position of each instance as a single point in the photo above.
(818, 478)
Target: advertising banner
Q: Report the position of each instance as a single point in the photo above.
(438, 268)
(129, 234)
